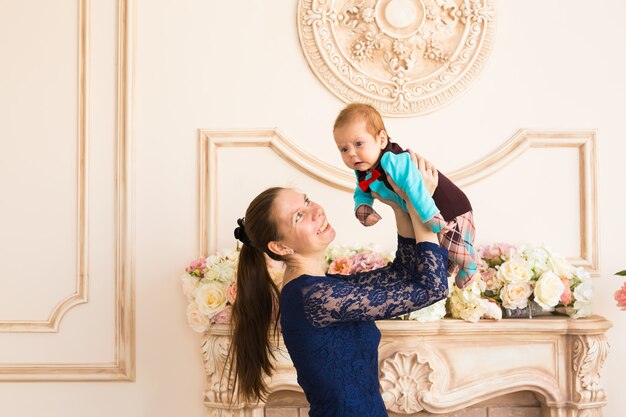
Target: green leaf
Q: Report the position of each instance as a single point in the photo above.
(621, 273)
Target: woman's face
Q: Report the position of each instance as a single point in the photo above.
(302, 223)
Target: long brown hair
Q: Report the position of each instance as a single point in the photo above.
(256, 306)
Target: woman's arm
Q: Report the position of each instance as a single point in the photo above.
(333, 300)
(405, 252)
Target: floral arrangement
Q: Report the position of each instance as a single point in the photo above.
(210, 285)
(620, 295)
(521, 282)
(348, 259)
(524, 281)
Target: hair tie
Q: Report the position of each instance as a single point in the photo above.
(240, 233)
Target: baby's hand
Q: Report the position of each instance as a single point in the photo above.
(367, 215)
(372, 219)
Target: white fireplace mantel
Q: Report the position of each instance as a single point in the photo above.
(448, 365)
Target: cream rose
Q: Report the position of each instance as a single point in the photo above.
(515, 295)
(560, 266)
(548, 290)
(197, 321)
(210, 298)
(515, 271)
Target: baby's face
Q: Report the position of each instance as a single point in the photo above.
(359, 149)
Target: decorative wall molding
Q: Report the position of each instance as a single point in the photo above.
(122, 368)
(584, 141)
(79, 296)
(452, 365)
(405, 57)
(523, 140)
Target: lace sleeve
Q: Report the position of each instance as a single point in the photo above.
(331, 300)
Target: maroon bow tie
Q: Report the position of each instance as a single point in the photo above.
(365, 184)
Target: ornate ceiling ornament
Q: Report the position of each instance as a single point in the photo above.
(405, 57)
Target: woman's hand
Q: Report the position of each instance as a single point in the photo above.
(403, 219)
(395, 206)
(420, 231)
(429, 173)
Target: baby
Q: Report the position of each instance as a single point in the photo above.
(366, 148)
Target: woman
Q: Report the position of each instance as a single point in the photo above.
(327, 320)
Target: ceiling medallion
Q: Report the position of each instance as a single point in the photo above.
(405, 57)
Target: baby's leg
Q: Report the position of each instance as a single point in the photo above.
(460, 244)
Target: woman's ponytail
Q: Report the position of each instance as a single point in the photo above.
(256, 306)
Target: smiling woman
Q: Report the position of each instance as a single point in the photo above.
(327, 320)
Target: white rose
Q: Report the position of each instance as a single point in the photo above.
(492, 311)
(515, 295)
(198, 321)
(583, 292)
(548, 290)
(433, 312)
(581, 309)
(537, 257)
(515, 271)
(560, 266)
(189, 285)
(225, 271)
(210, 298)
(211, 274)
(582, 275)
(339, 251)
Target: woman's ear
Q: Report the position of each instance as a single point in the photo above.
(383, 139)
(279, 249)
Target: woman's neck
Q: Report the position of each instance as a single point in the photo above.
(303, 266)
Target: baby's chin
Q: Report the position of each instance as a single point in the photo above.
(362, 166)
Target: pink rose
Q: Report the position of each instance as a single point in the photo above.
(567, 297)
(223, 317)
(231, 292)
(341, 265)
(620, 297)
(367, 261)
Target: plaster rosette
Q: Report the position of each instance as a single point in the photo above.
(405, 57)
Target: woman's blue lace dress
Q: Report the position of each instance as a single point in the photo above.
(328, 326)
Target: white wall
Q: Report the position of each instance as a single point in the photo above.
(238, 64)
